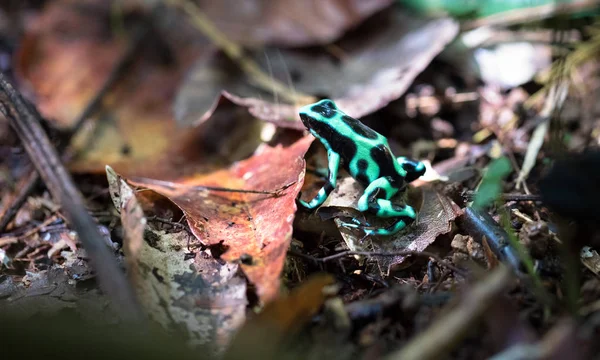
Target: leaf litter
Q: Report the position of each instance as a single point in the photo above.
(204, 256)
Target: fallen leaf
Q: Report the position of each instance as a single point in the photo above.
(179, 288)
(379, 64)
(254, 227)
(64, 54)
(590, 259)
(55, 290)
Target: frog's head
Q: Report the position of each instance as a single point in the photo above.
(318, 115)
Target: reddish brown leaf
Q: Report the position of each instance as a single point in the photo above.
(64, 55)
(258, 225)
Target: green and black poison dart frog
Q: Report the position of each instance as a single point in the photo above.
(367, 157)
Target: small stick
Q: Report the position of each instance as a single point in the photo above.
(18, 201)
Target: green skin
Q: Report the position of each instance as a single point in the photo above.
(367, 157)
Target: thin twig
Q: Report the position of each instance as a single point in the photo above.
(470, 195)
(172, 223)
(59, 183)
(36, 229)
(19, 200)
(172, 186)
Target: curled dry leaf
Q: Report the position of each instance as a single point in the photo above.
(177, 287)
(376, 69)
(288, 22)
(255, 228)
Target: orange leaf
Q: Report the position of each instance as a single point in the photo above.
(254, 225)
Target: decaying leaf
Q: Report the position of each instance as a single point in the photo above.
(180, 288)
(55, 290)
(370, 74)
(590, 259)
(253, 228)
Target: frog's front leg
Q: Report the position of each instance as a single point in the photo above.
(333, 161)
(376, 200)
(414, 169)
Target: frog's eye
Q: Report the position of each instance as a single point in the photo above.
(325, 108)
(328, 104)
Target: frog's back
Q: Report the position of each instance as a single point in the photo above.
(366, 153)
(352, 137)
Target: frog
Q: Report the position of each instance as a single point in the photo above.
(367, 157)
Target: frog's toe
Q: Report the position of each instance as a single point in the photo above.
(303, 203)
(355, 223)
(349, 225)
(370, 231)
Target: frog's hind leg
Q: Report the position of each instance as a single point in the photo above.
(414, 169)
(333, 160)
(404, 215)
(376, 200)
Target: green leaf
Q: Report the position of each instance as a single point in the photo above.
(491, 185)
(474, 9)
